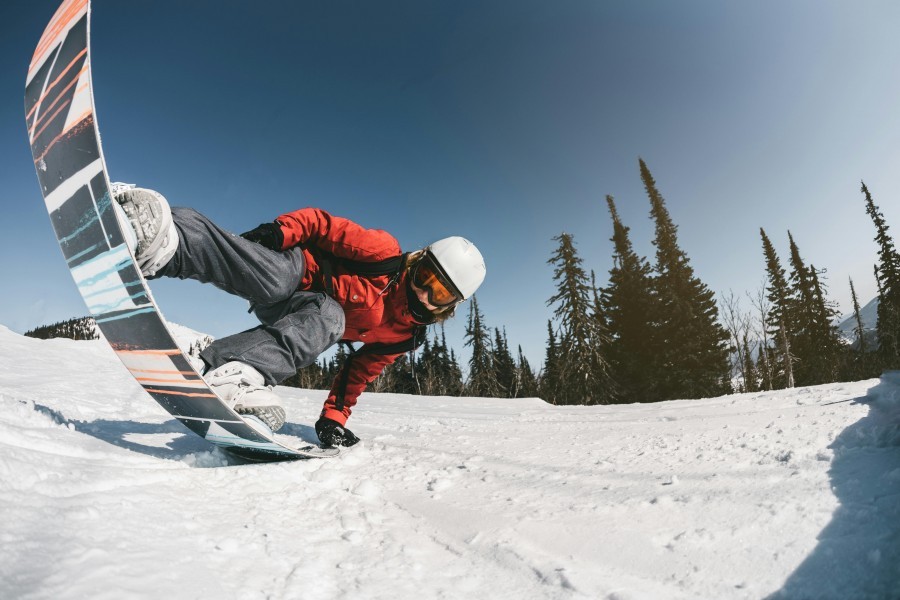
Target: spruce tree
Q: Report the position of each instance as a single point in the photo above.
(862, 363)
(693, 350)
(504, 365)
(450, 374)
(781, 360)
(815, 342)
(749, 370)
(482, 381)
(629, 306)
(549, 381)
(860, 330)
(427, 369)
(583, 372)
(527, 386)
(397, 378)
(831, 349)
(887, 275)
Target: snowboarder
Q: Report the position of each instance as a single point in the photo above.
(301, 275)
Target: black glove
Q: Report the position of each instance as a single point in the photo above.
(268, 235)
(331, 433)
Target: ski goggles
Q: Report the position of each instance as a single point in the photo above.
(427, 275)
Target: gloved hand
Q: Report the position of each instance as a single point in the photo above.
(331, 433)
(268, 235)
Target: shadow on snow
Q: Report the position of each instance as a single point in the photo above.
(858, 553)
(169, 440)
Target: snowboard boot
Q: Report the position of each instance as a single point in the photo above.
(150, 218)
(244, 389)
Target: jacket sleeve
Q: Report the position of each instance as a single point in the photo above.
(337, 235)
(363, 370)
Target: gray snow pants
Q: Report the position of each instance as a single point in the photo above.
(297, 326)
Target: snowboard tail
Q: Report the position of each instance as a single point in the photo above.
(65, 144)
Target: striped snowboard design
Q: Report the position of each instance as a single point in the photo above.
(65, 143)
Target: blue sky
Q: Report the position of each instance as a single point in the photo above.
(505, 122)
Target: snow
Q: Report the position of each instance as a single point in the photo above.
(792, 494)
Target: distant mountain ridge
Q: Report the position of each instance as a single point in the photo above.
(869, 314)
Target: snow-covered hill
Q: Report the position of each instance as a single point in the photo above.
(792, 494)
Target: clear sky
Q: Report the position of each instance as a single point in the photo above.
(506, 122)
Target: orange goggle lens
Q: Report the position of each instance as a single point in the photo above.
(428, 278)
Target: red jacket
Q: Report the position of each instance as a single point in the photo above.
(375, 309)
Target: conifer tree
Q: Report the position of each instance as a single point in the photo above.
(504, 365)
(749, 369)
(764, 370)
(436, 369)
(815, 342)
(549, 381)
(582, 370)
(427, 369)
(862, 364)
(629, 306)
(450, 374)
(527, 383)
(482, 381)
(860, 330)
(831, 349)
(779, 315)
(887, 276)
(693, 350)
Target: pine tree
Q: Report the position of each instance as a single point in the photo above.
(527, 386)
(504, 365)
(399, 377)
(749, 370)
(427, 369)
(482, 381)
(693, 350)
(860, 330)
(450, 375)
(781, 360)
(825, 313)
(436, 369)
(583, 371)
(550, 380)
(887, 275)
(815, 341)
(862, 363)
(629, 306)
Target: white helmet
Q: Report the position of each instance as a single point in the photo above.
(461, 261)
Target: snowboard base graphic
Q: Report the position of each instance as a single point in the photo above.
(65, 143)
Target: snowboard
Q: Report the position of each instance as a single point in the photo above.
(65, 143)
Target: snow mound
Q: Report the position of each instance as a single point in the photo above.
(792, 494)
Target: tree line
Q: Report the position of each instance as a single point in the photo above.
(654, 332)
(79, 328)
(434, 369)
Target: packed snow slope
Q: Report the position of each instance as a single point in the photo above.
(790, 494)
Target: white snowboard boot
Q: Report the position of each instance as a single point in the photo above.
(244, 389)
(150, 218)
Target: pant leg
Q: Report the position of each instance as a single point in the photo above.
(297, 326)
(293, 335)
(209, 254)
